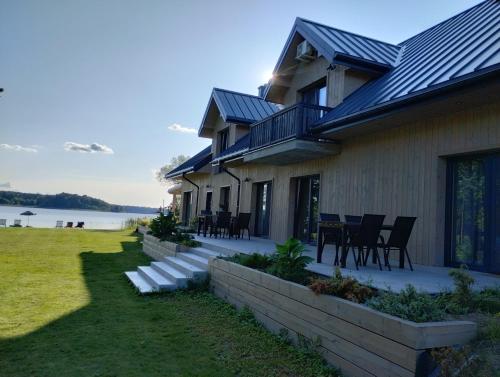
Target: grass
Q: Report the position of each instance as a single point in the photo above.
(67, 310)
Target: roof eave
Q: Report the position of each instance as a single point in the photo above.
(353, 119)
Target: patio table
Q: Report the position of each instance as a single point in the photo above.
(325, 226)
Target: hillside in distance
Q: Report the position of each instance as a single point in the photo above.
(66, 201)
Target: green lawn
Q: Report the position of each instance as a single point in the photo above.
(66, 309)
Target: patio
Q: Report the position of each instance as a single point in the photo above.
(425, 278)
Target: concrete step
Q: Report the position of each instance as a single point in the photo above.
(187, 268)
(171, 273)
(194, 259)
(155, 279)
(139, 283)
(205, 253)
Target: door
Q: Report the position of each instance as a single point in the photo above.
(224, 199)
(474, 212)
(186, 207)
(307, 208)
(208, 201)
(263, 209)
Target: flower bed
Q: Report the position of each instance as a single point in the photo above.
(359, 340)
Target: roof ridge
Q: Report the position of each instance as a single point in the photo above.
(400, 44)
(349, 32)
(240, 93)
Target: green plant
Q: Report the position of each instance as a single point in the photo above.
(288, 262)
(343, 287)
(166, 228)
(408, 304)
(134, 222)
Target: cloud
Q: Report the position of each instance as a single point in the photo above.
(178, 128)
(5, 185)
(87, 148)
(18, 148)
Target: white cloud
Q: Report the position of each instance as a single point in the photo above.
(178, 128)
(5, 185)
(18, 148)
(87, 148)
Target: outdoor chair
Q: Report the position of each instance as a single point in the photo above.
(398, 240)
(3, 222)
(80, 225)
(353, 219)
(59, 224)
(366, 237)
(205, 217)
(17, 223)
(69, 224)
(221, 225)
(242, 224)
(331, 235)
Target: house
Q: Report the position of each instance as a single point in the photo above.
(353, 125)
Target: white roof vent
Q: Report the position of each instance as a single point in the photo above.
(305, 52)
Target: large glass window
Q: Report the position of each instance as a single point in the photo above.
(307, 208)
(475, 212)
(224, 199)
(223, 140)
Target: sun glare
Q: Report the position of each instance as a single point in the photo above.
(267, 75)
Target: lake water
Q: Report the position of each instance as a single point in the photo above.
(46, 218)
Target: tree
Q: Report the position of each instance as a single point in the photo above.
(174, 162)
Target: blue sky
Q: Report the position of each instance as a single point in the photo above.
(91, 86)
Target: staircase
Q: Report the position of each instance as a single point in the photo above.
(172, 273)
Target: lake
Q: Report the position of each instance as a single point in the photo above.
(46, 218)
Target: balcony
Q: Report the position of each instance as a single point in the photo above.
(285, 137)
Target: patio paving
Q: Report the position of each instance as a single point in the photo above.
(428, 279)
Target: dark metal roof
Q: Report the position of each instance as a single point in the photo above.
(463, 47)
(239, 107)
(333, 42)
(235, 150)
(193, 164)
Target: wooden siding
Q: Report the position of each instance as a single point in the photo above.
(401, 171)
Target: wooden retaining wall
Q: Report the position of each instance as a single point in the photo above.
(358, 340)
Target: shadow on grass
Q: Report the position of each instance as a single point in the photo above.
(115, 334)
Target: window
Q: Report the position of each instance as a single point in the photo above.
(474, 212)
(224, 199)
(315, 94)
(223, 140)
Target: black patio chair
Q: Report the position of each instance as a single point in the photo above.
(366, 238)
(242, 224)
(69, 224)
(204, 220)
(353, 219)
(221, 225)
(331, 236)
(398, 240)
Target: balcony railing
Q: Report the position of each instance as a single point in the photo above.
(289, 123)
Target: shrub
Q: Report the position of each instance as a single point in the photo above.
(288, 262)
(255, 260)
(166, 228)
(134, 222)
(343, 287)
(488, 300)
(409, 304)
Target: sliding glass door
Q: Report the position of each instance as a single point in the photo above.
(187, 205)
(306, 209)
(474, 212)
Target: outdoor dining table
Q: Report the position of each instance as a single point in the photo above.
(325, 226)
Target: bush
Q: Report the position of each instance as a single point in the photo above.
(288, 262)
(166, 228)
(343, 287)
(255, 260)
(135, 222)
(409, 304)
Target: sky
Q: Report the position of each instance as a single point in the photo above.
(98, 94)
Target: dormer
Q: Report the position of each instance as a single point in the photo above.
(228, 116)
(321, 65)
